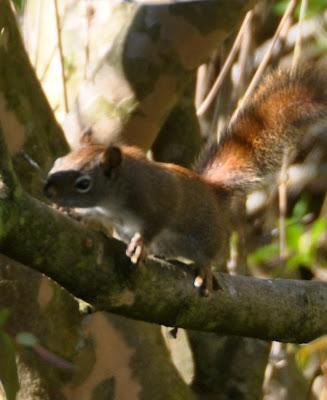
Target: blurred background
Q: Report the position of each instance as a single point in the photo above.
(96, 74)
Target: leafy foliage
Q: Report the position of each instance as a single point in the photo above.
(314, 7)
(19, 4)
(302, 241)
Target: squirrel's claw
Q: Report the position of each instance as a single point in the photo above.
(204, 281)
(135, 248)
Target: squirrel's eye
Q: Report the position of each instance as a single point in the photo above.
(83, 184)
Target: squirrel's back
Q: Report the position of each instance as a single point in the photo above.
(283, 107)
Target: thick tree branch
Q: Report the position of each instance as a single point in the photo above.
(95, 269)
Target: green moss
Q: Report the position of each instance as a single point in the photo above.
(39, 260)
(62, 327)
(8, 218)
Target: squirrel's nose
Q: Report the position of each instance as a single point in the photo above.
(49, 190)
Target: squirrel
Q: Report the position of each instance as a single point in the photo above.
(170, 211)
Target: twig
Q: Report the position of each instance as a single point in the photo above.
(316, 373)
(54, 49)
(282, 188)
(257, 76)
(200, 89)
(244, 59)
(233, 254)
(218, 120)
(282, 40)
(298, 41)
(282, 197)
(38, 33)
(310, 29)
(61, 54)
(277, 358)
(89, 16)
(216, 86)
(52, 358)
(48, 64)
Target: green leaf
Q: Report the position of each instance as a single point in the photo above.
(318, 228)
(293, 236)
(314, 7)
(8, 368)
(306, 351)
(4, 314)
(19, 4)
(264, 253)
(27, 339)
(298, 260)
(300, 208)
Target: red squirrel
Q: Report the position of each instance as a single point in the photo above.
(170, 211)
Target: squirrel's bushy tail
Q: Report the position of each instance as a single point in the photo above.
(283, 107)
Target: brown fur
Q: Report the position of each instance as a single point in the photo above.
(172, 211)
(273, 121)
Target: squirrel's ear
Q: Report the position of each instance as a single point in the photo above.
(112, 158)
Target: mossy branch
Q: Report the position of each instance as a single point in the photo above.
(96, 269)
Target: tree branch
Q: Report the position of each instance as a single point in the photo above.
(96, 269)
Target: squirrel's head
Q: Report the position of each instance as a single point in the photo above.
(78, 179)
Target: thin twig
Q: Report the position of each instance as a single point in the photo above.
(233, 254)
(52, 358)
(282, 188)
(48, 64)
(54, 50)
(216, 86)
(61, 54)
(200, 88)
(310, 31)
(38, 32)
(298, 42)
(282, 40)
(218, 120)
(282, 196)
(257, 76)
(89, 16)
(244, 59)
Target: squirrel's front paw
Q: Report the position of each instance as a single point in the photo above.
(204, 284)
(135, 249)
(205, 281)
